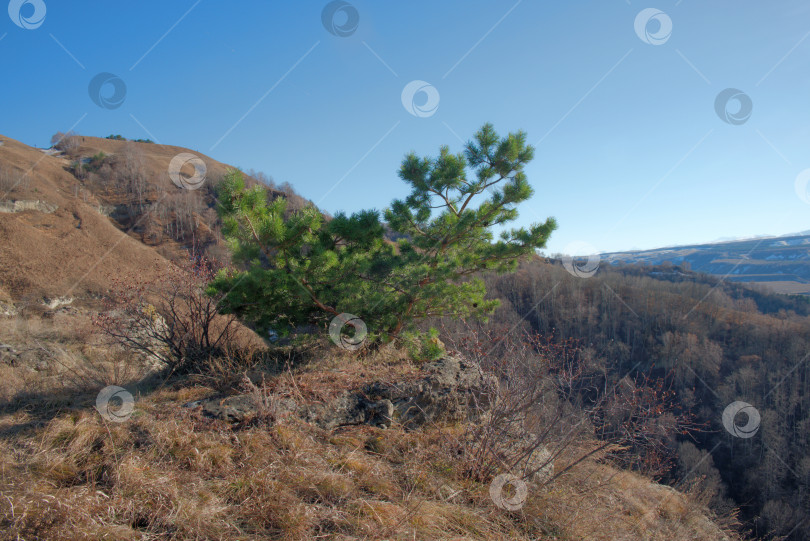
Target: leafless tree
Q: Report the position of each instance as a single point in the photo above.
(66, 142)
(131, 170)
(183, 208)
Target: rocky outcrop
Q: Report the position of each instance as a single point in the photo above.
(7, 309)
(451, 389)
(54, 303)
(20, 206)
(106, 210)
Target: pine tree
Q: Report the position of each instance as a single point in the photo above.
(307, 269)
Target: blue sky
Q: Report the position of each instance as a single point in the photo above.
(631, 152)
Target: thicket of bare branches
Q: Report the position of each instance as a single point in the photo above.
(143, 206)
(550, 404)
(67, 142)
(11, 181)
(171, 320)
(132, 174)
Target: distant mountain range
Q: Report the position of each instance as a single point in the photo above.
(757, 237)
(780, 263)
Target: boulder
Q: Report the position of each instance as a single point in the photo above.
(450, 389)
(453, 389)
(239, 408)
(540, 465)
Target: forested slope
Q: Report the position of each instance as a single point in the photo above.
(714, 344)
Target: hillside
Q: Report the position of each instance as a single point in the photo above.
(780, 264)
(84, 197)
(65, 248)
(84, 225)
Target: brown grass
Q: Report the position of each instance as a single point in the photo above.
(168, 473)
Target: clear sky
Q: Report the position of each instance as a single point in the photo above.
(631, 151)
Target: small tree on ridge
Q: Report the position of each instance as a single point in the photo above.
(307, 270)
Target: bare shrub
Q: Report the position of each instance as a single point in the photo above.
(549, 405)
(132, 174)
(13, 181)
(113, 366)
(78, 170)
(262, 177)
(183, 209)
(171, 320)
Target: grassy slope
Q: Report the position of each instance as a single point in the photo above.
(169, 473)
(75, 250)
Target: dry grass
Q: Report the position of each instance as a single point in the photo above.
(168, 474)
(55, 353)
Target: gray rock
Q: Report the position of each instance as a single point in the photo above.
(20, 206)
(233, 409)
(541, 464)
(7, 309)
(350, 408)
(239, 408)
(451, 389)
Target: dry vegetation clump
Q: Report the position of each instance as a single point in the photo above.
(171, 322)
(171, 475)
(13, 182)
